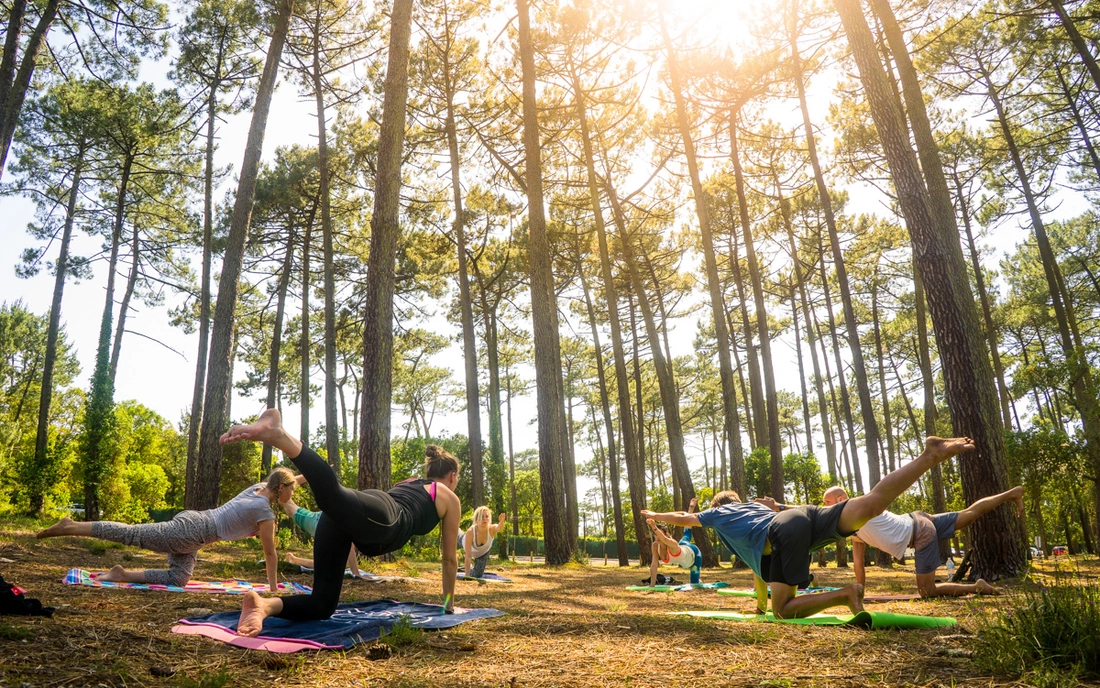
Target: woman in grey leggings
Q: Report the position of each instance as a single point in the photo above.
(249, 513)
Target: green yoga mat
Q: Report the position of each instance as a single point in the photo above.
(863, 619)
(678, 588)
(752, 593)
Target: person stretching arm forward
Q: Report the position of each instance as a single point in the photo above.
(667, 551)
(778, 546)
(477, 542)
(376, 522)
(923, 532)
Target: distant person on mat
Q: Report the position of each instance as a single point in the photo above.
(778, 546)
(478, 541)
(307, 521)
(667, 551)
(893, 533)
(376, 522)
(249, 513)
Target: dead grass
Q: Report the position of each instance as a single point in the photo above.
(573, 626)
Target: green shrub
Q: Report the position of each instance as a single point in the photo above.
(402, 634)
(1052, 628)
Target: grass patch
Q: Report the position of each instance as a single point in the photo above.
(1045, 633)
(9, 632)
(206, 679)
(99, 548)
(403, 634)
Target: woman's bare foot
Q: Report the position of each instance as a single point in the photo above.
(253, 612)
(299, 561)
(117, 574)
(855, 598)
(1018, 499)
(268, 428)
(983, 588)
(62, 527)
(941, 449)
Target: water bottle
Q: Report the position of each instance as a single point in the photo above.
(950, 568)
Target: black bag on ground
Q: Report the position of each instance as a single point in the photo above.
(13, 601)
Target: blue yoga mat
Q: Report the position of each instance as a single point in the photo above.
(352, 624)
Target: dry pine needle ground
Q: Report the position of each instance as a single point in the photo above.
(573, 626)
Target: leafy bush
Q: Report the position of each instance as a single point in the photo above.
(402, 634)
(1053, 627)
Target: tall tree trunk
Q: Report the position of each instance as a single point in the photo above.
(374, 424)
(967, 374)
(987, 309)
(203, 493)
(304, 342)
(15, 83)
(939, 496)
(42, 473)
(124, 307)
(882, 558)
(745, 393)
(99, 412)
(801, 374)
(714, 285)
(194, 422)
(555, 517)
(670, 401)
(277, 339)
(469, 347)
(332, 421)
(1078, 41)
(609, 425)
(775, 440)
(1078, 121)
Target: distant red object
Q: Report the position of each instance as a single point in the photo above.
(1060, 550)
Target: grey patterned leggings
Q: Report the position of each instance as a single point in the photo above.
(181, 538)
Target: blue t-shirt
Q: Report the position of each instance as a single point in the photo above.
(743, 528)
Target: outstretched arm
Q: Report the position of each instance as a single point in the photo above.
(676, 518)
(448, 546)
(498, 526)
(771, 503)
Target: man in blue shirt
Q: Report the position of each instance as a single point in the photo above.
(778, 546)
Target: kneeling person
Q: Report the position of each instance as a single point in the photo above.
(668, 551)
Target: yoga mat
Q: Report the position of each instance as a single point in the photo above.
(863, 619)
(364, 575)
(233, 587)
(752, 593)
(351, 624)
(485, 578)
(678, 588)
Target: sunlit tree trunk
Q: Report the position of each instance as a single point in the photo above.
(277, 339)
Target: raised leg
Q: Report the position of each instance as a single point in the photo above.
(986, 504)
(66, 526)
(859, 510)
(787, 604)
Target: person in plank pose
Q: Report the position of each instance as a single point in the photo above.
(477, 542)
(249, 513)
(376, 522)
(893, 533)
(667, 551)
(307, 521)
(777, 546)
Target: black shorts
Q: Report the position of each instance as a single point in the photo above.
(794, 535)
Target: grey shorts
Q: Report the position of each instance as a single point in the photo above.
(929, 530)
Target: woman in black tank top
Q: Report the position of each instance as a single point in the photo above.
(376, 522)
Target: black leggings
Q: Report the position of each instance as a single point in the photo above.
(348, 516)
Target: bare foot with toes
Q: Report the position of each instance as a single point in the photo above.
(984, 588)
(268, 428)
(116, 574)
(943, 449)
(855, 598)
(1018, 499)
(58, 529)
(253, 613)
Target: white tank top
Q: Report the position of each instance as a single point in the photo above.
(888, 532)
(685, 559)
(477, 550)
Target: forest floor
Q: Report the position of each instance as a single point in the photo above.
(566, 626)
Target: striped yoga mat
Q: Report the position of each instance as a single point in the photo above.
(232, 587)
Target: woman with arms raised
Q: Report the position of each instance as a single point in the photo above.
(376, 522)
(249, 513)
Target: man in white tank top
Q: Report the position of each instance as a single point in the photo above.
(893, 533)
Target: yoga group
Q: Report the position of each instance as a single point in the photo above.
(775, 540)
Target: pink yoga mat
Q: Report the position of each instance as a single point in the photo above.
(279, 645)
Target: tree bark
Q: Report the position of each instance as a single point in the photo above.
(555, 517)
(277, 339)
(124, 307)
(304, 338)
(374, 424)
(203, 493)
(13, 91)
(1078, 41)
(967, 374)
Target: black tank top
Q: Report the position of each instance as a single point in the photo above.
(418, 505)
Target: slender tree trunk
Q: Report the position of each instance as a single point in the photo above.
(42, 473)
(1078, 121)
(374, 434)
(13, 91)
(775, 440)
(194, 422)
(304, 342)
(277, 339)
(882, 558)
(745, 394)
(555, 517)
(203, 493)
(124, 307)
(332, 422)
(967, 374)
(1078, 41)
